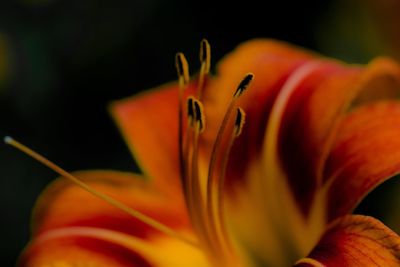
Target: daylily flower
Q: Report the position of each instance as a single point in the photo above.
(278, 190)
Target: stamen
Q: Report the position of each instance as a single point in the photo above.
(205, 55)
(211, 179)
(239, 91)
(206, 216)
(182, 69)
(205, 60)
(243, 85)
(195, 201)
(119, 205)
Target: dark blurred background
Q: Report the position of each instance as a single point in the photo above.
(63, 61)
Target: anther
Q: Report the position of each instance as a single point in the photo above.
(182, 68)
(199, 115)
(239, 121)
(243, 84)
(205, 55)
(205, 60)
(190, 110)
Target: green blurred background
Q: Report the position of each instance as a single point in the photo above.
(62, 62)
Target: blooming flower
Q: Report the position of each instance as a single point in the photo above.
(277, 191)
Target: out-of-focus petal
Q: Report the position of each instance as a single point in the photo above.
(306, 117)
(308, 111)
(365, 153)
(63, 204)
(355, 240)
(89, 246)
(302, 125)
(149, 124)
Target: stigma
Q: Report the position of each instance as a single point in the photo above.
(204, 195)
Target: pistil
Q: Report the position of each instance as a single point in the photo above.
(119, 205)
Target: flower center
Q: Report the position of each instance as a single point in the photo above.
(204, 200)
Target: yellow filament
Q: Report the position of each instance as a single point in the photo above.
(186, 155)
(136, 214)
(221, 181)
(210, 178)
(196, 195)
(239, 122)
(195, 190)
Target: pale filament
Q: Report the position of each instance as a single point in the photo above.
(119, 205)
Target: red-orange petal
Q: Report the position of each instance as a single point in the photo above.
(314, 109)
(366, 153)
(355, 240)
(90, 246)
(311, 111)
(271, 62)
(149, 124)
(63, 204)
(78, 247)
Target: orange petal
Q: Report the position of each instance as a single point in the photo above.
(289, 226)
(149, 124)
(89, 246)
(365, 153)
(301, 127)
(313, 109)
(63, 204)
(355, 240)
